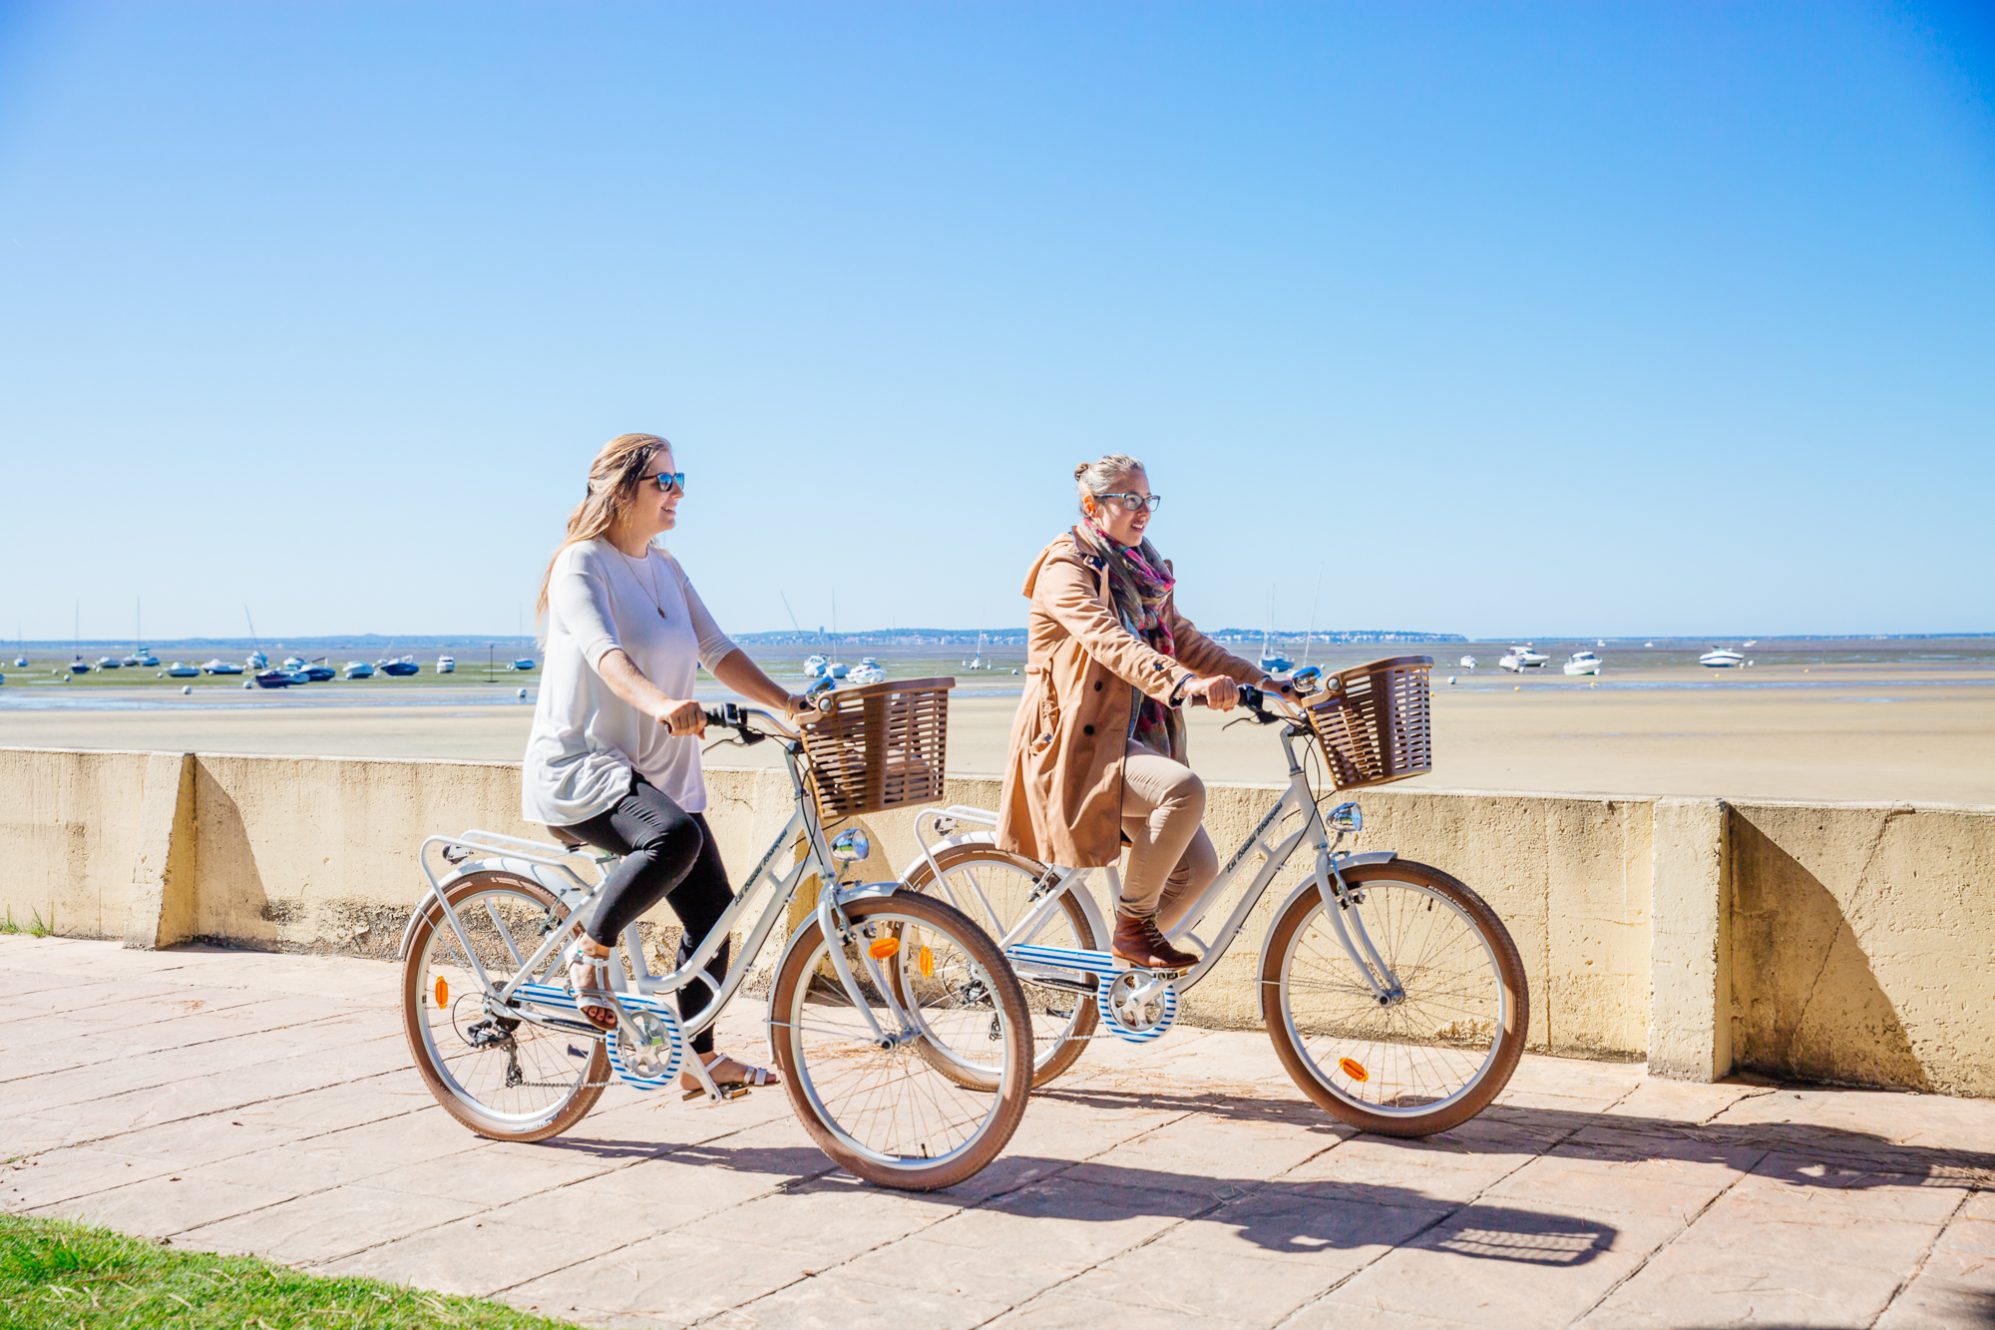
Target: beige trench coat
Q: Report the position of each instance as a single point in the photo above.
(1062, 801)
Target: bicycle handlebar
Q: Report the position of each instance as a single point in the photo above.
(1254, 701)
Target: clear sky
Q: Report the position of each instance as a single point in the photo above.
(1489, 318)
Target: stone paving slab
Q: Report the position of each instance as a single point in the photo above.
(252, 1102)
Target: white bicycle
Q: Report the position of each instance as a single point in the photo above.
(867, 999)
(1393, 993)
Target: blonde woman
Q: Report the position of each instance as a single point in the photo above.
(1098, 745)
(614, 756)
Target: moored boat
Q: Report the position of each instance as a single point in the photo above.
(178, 670)
(523, 663)
(446, 664)
(398, 667)
(222, 667)
(359, 669)
(1526, 657)
(1721, 658)
(1582, 662)
(275, 679)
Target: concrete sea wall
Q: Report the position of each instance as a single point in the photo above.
(1834, 942)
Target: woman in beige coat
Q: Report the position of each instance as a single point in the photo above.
(1098, 746)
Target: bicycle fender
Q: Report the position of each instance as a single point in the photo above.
(1308, 884)
(948, 843)
(563, 890)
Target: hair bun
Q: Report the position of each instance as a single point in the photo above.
(1081, 470)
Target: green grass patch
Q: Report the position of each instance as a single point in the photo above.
(56, 1275)
(35, 927)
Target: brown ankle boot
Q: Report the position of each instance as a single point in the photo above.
(1139, 942)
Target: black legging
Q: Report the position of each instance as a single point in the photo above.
(669, 853)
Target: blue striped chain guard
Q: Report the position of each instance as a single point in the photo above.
(664, 1017)
(1110, 975)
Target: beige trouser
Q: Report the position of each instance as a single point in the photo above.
(1171, 859)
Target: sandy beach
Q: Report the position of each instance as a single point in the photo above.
(1877, 732)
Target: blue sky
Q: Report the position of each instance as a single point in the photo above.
(1642, 319)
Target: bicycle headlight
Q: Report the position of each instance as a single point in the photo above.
(851, 845)
(1346, 819)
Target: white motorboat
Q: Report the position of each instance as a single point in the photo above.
(1582, 662)
(257, 662)
(866, 671)
(446, 664)
(221, 667)
(177, 670)
(1468, 662)
(816, 666)
(1519, 659)
(838, 669)
(109, 663)
(1721, 658)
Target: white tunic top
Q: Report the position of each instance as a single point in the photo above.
(586, 740)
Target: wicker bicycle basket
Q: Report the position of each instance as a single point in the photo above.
(1372, 722)
(878, 746)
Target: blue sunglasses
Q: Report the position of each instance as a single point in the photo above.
(671, 482)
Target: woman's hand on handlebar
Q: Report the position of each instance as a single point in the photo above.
(1215, 691)
(681, 716)
(797, 708)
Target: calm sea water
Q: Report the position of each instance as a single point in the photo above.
(483, 680)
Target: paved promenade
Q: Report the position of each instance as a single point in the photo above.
(237, 1101)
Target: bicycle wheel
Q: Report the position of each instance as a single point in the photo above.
(995, 889)
(1415, 1065)
(500, 1075)
(873, 1103)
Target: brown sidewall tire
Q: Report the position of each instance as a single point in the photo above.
(432, 919)
(1062, 1059)
(1509, 968)
(798, 970)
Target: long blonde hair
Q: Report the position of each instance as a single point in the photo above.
(613, 478)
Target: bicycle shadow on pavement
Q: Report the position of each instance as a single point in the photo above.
(1280, 1217)
(1801, 1153)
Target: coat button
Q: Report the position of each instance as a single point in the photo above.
(1097, 685)
(1087, 729)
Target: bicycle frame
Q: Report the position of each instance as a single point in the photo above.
(542, 863)
(1326, 878)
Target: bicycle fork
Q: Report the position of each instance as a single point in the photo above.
(1341, 900)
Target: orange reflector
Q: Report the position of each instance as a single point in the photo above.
(927, 963)
(1355, 1070)
(442, 991)
(883, 947)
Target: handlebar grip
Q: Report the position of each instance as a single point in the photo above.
(1250, 697)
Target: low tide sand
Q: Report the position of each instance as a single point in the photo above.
(1872, 732)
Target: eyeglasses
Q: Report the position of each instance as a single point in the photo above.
(671, 482)
(1134, 502)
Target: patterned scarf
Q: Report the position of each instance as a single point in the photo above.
(1139, 586)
